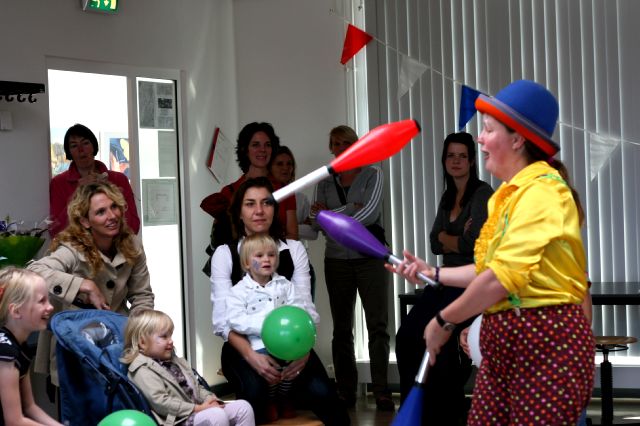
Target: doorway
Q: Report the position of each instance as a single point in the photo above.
(134, 117)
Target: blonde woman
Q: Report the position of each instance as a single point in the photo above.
(96, 262)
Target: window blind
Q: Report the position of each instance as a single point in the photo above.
(584, 51)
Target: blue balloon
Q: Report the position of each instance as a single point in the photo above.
(127, 418)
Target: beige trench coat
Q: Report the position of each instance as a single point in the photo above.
(121, 283)
(169, 402)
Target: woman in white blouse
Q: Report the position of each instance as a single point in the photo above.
(252, 211)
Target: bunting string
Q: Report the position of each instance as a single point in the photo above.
(416, 67)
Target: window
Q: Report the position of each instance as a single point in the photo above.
(583, 51)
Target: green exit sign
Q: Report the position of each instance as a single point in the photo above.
(106, 6)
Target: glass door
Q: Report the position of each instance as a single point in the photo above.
(135, 122)
(160, 200)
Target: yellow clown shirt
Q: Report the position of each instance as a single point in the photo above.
(531, 241)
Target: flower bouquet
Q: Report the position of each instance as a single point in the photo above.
(18, 245)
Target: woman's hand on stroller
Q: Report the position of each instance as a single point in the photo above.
(265, 366)
(94, 296)
(291, 371)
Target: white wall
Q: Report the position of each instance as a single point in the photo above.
(194, 37)
(280, 64)
(289, 74)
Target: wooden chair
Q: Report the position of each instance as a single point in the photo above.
(606, 344)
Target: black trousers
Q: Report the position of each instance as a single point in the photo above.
(368, 278)
(312, 389)
(444, 399)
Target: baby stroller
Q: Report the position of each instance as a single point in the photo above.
(93, 382)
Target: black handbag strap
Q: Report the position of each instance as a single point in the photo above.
(340, 190)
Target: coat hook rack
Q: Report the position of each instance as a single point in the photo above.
(21, 92)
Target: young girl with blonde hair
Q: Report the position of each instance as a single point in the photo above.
(24, 308)
(168, 382)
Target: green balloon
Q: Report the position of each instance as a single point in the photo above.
(288, 333)
(127, 418)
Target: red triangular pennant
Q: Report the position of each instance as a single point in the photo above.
(355, 40)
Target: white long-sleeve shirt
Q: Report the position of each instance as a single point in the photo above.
(221, 268)
(249, 303)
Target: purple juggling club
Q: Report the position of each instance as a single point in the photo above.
(353, 235)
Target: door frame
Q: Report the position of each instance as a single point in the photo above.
(131, 72)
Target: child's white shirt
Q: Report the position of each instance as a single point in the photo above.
(249, 303)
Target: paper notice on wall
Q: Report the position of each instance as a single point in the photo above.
(157, 105)
(159, 202)
(221, 157)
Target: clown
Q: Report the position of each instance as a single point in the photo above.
(528, 276)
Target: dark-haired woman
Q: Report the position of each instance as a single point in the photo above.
(461, 214)
(249, 372)
(256, 144)
(81, 147)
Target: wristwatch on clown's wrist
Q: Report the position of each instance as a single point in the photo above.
(447, 326)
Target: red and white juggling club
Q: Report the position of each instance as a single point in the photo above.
(353, 235)
(377, 145)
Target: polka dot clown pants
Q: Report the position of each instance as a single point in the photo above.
(537, 367)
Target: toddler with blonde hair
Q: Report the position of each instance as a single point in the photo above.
(168, 382)
(250, 301)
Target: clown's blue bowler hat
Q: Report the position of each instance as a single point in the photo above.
(528, 108)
